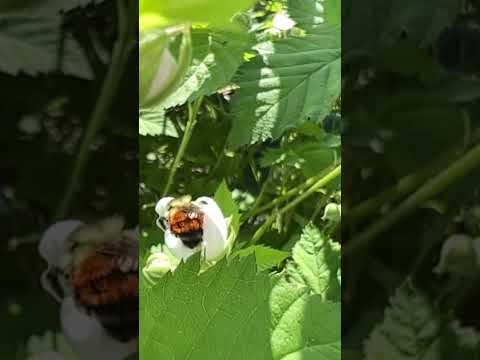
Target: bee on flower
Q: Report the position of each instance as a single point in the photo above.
(93, 273)
(192, 226)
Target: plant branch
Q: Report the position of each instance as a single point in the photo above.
(187, 135)
(332, 175)
(294, 191)
(456, 171)
(102, 107)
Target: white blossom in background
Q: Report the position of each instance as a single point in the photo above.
(282, 22)
(166, 71)
(214, 244)
(30, 124)
(460, 255)
(84, 333)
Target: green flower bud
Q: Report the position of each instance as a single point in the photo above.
(158, 264)
(459, 256)
(332, 212)
(159, 70)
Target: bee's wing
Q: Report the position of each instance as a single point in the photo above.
(123, 247)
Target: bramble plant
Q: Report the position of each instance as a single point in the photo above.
(410, 233)
(240, 103)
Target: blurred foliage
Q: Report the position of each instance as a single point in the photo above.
(56, 56)
(410, 179)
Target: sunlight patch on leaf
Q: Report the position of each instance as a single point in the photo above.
(293, 80)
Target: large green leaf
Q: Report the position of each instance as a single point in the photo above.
(33, 44)
(316, 263)
(311, 13)
(216, 57)
(304, 327)
(290, 82)
(410, 330)
(219, 314)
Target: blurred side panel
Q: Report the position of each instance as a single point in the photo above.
(411, 179)
(68, 179)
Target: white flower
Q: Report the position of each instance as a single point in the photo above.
(460, 255)
(84, 333)
(282, 22)
(214, 244)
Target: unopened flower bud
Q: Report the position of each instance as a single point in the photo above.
(158, 264)
(159, 71)
(460, 255)
(332, 212)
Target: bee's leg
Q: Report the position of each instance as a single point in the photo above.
(50, 282)
(162, 223)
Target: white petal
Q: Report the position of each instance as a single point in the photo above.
(215, 230)
(53, 246)
(167, 69)
(87, 336)
(162, 206)
(282, 22)
(176, 246)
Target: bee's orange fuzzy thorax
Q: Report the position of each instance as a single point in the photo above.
(182, 222)
(98, 281)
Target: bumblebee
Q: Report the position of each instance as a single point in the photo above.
(185, 221)
(101, 272)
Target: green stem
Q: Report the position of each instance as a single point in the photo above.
(100, 113)
(332, 175)
(294, 191)
(187, 135)
(403, 187)
(456, 171)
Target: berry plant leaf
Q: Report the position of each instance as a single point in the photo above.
(311, 13)
(220, 314)
(304, 327)
(316, 263)
(153, 122)
(215, 59)
(291, 81)
(411, 329)
(33, 43)
(265, 256)
(223, 197)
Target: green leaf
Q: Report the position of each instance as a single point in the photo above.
(410, 329)
(156, 123)
(219, 314)
(304, 327)
(216, 57)
(266, 257)
(223, 197)
(194, 10)
(33, 44)
(311, 13)
(291, 81)
(316, 263)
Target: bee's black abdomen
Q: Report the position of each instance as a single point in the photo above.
(120, 320)
(192, 239)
